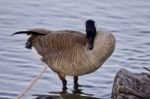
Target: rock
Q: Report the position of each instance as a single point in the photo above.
(129, 85)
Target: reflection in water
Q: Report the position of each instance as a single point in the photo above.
(62, 95)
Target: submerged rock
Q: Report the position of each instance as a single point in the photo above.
(129, 85)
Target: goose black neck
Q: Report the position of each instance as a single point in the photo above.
(90, 33)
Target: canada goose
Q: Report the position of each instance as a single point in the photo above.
(71, 53)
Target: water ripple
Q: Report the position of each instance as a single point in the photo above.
(128, 20)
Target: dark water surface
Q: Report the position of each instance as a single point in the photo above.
(129, 20)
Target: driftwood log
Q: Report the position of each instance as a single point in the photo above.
(129, 85)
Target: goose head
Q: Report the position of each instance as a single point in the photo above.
(90, 33)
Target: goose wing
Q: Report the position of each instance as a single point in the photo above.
(59, 41)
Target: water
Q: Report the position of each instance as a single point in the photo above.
(128, 20)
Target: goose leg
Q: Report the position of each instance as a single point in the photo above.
(64, 82)
(76, 85)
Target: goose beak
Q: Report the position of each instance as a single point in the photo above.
(90, 46)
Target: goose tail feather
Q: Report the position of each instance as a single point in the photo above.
(28, 33)
(28, 44)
